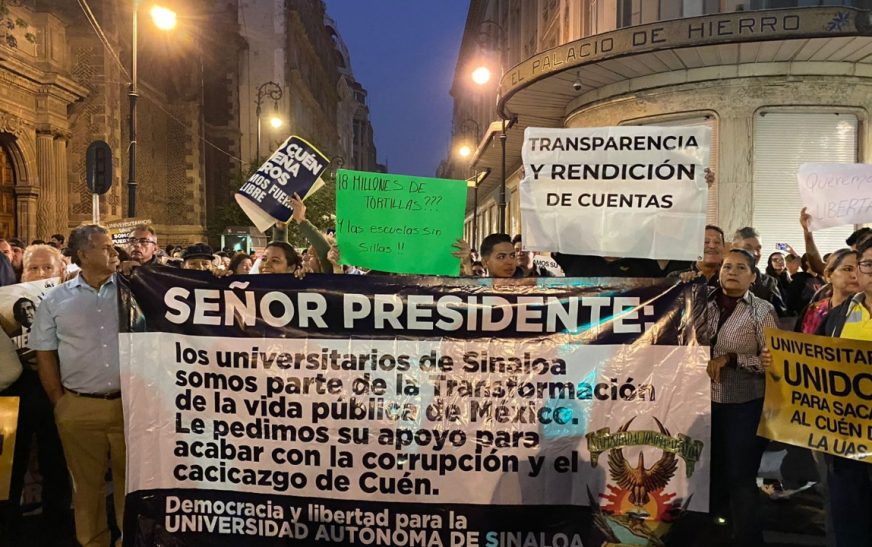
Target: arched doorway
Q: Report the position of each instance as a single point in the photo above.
(8, 225)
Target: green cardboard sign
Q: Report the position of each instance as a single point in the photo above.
(398, 223)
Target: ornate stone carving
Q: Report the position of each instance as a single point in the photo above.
(12, 124)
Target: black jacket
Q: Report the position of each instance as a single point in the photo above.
(766, 287)
(801, 290)
(836, 319)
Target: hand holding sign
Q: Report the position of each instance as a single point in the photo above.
(397, 223)
(292, 169)
(836, 193)
(585, 186)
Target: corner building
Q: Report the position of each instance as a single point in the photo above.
(780, 82)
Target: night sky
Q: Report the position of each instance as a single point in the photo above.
(404, 53)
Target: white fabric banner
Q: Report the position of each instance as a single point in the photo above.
(836, 193)
(274, 424)
(616, 191)
(263, 408)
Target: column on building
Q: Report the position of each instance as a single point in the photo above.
(45, 212)
(61, 221)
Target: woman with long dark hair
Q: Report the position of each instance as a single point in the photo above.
(777, 268)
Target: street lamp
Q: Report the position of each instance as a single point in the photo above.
(481, 76)
(274, 92)
(163, 19)
(471, 127)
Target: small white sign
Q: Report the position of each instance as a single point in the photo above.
(836, 193)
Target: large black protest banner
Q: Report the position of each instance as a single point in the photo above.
(347, 410)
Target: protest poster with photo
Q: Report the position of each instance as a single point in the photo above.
(399, 223)
(836, 194)
(347, 410)
(294, 168)
(818, 393)
(636, 192)
(120, 230)
(18, 305)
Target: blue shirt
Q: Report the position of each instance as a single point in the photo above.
(81, 323)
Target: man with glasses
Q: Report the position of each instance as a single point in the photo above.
(850, 481)
(142, 245)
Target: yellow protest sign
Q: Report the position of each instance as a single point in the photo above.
(8, 426)
(819, 394)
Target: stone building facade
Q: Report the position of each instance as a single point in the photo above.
(65, 88)
(295, 44)
(356, 135)
(780, 82)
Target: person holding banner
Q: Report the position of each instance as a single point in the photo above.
(75, 336)
(850, 481)
(280, 258)
(736, 318)
(498, 256)
(197, 257)
(142, 245)
(714, 246)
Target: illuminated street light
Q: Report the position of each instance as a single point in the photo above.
(470, 129)
(164, 19)
(481, 75)
(274, 92)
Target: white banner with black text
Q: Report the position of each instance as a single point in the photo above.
(616, 191)
(349, 410)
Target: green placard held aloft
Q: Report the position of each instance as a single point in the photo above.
(398, 223)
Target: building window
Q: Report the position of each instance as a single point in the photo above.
(779, 150)
(639, 12)
(590, 18)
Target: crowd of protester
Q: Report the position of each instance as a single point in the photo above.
(70, 394)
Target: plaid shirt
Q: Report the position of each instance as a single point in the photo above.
(742, 334)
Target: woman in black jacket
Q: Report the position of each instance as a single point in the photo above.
(777, 268)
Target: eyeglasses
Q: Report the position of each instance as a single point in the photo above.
(865, 266)
(141, 241)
